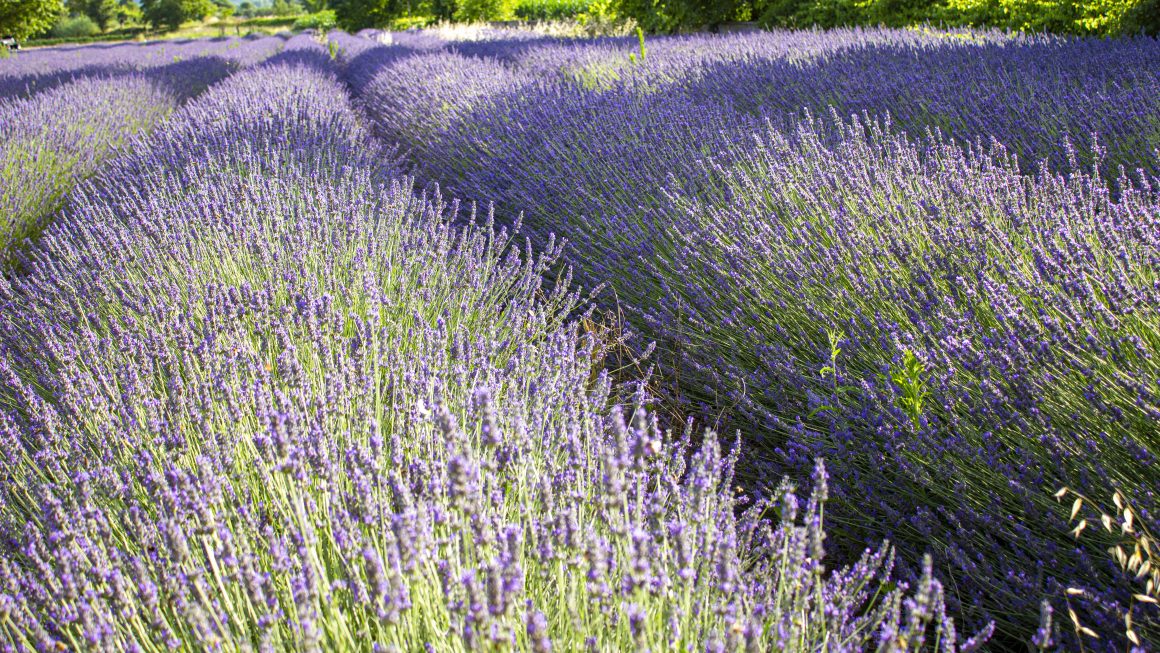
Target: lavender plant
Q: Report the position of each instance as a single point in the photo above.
(255, 394)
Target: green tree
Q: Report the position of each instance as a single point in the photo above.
(25, 18)
(443, 9)
(1144, 16)
(72, 27)
(286, 8)
(473, 10)
(680, 15)
(1097, 17)
(170, 14)
(223, 8)
(353, 15)
(128, 13)
(101, 12)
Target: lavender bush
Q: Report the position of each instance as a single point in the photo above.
(957, 328)
(256, 392)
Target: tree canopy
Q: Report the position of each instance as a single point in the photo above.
(172, 13)
(25, 18)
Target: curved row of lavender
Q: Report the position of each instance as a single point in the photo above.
(31, 71)
(1035, 95)
(54, 139)
(256, 393)
(959, 336)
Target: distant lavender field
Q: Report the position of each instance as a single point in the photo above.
(790, 341)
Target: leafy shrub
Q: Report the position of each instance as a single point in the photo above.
(271, 21)
(411, 22)
(120, 35)
(321, 20)
(170, 14)
(476, 10)
(75, 27)
(1067, 16)
(1143, 17)
(680, 15)
(550, 9)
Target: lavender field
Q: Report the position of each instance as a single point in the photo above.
(783, 341)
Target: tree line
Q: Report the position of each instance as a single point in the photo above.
(1081, 17)
(26, 18)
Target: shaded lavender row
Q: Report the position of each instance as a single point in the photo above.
(52, 140)
(254, 396)
(31, 71)
(957, 338)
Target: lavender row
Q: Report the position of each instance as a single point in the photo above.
(28, 72)
(957, 337)
(1033, 94)
(255, 394)
(51, 141)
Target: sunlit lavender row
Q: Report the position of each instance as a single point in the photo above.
(52, 140)
(256, 392)
(930, 258)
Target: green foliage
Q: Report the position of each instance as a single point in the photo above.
(476, 10)
(404, 23)
(225, 8)
(442, 9)
(270, 21)
(643, 52)
(321, 20)
(601, 17)
(1144, 17)
(170, 14)
(649, 14)
(353, 15)
(830, 371)
(1082, 17)
(128, 13)
(25, 18)
(74, 27)
(550, 9)
(911, 386)
(895, 13)
(681, 15)
(1099, 17)
(286, 8)
(101, 12)
(112, 37)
